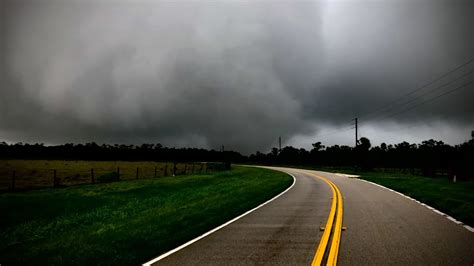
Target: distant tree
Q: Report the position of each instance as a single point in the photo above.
(275, 151)
(364, 144)
(289, 154)
(317, 146)
(362, 154)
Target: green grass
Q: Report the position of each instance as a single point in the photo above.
(455, 199)
(128, 222)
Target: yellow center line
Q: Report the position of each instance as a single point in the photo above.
(336, 239)
(336, 213)
(327, 230)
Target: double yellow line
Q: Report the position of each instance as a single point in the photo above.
(333, 225)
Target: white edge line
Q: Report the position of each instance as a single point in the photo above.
(469, 228)
(164, 255)
(423, 204)
(346, 175)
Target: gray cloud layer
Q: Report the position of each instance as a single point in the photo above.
(206, 73)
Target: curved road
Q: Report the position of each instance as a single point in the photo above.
(383, 228)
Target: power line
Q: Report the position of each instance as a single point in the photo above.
(408, 127)
(334, 132)
(428, 122)
(419, 88)
(432, 99)
(407, 101)
(424, 94)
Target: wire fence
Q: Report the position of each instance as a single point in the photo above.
(27, 178)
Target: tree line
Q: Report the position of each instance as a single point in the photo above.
(117, 152)
(430, 157)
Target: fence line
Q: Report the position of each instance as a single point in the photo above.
(31, 178)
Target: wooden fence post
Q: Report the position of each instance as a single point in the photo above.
(92, 176)
(200, 169)
(192, 171)
(118, 173)
(136, 176)
(55, 181)
(166, 169)
(155, 171)
(174, 169)
(13, 180)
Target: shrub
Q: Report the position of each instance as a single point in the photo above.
(218, 166)
(108, 177)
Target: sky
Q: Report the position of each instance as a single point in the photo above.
(236, 73)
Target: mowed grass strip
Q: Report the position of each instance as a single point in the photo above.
(455, 199)
(128, 222)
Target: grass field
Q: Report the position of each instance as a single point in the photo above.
(125, 223)
(455, 199)
(31, 174)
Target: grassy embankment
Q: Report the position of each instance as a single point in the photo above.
(455, 199)
(128, 222)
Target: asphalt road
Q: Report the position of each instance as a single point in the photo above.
(384, 228)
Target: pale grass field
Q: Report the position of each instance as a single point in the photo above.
(40, 173)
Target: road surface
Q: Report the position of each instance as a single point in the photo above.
(383, 228)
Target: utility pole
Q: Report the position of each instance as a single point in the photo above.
(356, 138)
(279, 144)
(356, 161)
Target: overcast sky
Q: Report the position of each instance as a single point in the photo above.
(235, 73)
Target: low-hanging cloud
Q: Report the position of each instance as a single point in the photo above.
(211, 73)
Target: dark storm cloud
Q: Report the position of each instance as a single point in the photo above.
(388, 49)
(207, 73)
